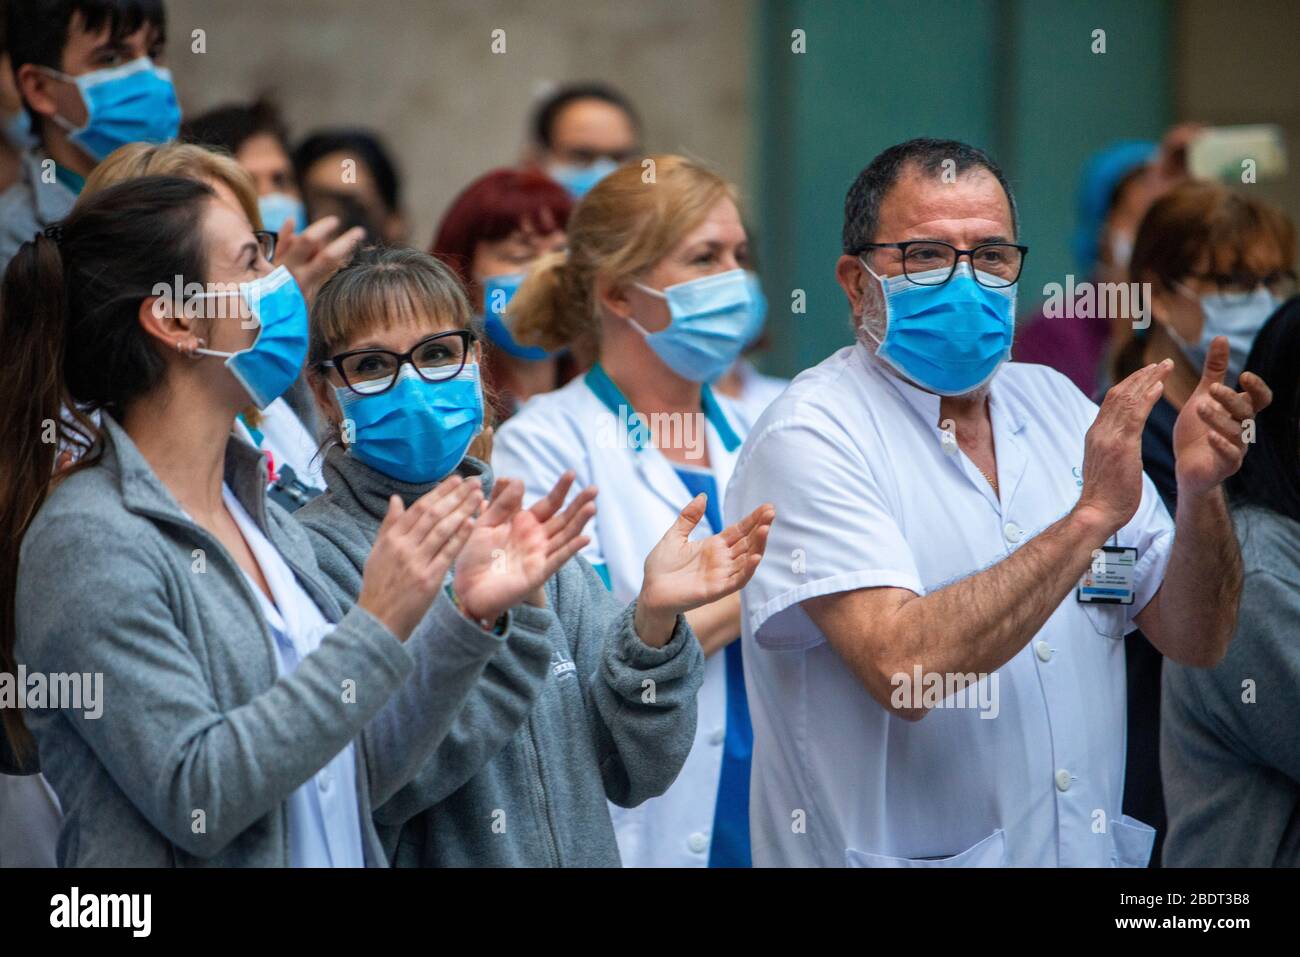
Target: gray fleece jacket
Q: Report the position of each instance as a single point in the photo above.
(559, 721)
(200, 740)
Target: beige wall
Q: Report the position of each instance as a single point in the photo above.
(423, 74)
(1240, 63)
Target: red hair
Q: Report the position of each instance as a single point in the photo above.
(494, 206)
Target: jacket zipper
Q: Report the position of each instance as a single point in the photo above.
(547, 823)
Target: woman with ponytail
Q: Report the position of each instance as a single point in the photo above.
(654, 294)
(239, 717)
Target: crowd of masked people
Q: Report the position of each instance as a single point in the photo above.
(326, 545)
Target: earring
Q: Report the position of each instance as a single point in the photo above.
(190, 346)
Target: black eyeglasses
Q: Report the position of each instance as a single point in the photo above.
(266, 243)
(929, 262)
(435, 358)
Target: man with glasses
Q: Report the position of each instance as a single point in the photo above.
(934, 644)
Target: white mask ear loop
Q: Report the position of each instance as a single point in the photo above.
(199, 350)
(632, 319)
(862, 320)
(66, 125)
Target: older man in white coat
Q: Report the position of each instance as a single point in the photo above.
(933, 642)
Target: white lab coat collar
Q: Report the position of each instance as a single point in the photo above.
(658, 473)
(1005, 412)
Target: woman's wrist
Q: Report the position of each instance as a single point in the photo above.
(654, 626)
(488, 622)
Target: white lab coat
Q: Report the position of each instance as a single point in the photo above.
(640, 497)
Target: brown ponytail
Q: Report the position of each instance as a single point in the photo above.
(32, 397)
(550, 310)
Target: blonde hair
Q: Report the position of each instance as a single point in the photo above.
(186, 160)
(628, 222)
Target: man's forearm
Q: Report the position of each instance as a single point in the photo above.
(1191, 619)
(979, 623)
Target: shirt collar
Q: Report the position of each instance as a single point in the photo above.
(142, 490)
(603, 387)
(926, 404)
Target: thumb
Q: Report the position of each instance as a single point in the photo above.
(690, 516)
(1216, 362)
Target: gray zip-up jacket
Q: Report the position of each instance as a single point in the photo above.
(558, 723)
(200, 740)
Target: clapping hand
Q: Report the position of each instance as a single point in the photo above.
(513, 551)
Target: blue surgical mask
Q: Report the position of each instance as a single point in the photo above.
(274, 361)
(1237, 315)
(417, 431)
(275, 208)
(17, 130)
(579, 180)
(713, 319)
(497, 293)
(948, 339)
(132, 103)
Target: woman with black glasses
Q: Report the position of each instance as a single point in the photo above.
(598, 701)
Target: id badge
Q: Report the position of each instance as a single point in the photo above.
(1110, 579)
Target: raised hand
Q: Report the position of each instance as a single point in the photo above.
(414, 550)
(1112, 454)
(1209, 443)
(681, 574)
(315, 254)
(513, 551)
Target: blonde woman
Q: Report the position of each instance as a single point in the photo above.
(654, 293)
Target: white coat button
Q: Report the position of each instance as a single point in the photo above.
(718, 736)
(698, 843)
(1043, 650)
(1062, 780)
(1012, 532)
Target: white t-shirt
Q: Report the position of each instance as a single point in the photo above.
(324, 818)
(869, 494)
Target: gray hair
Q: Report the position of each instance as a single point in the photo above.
(862, 204)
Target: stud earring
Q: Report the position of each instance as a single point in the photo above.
(190, 346)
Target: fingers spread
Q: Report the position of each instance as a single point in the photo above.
(571, 529)
(547, 506)
(1217, 417)
(443, 529)
(507, 497)
(580, 503)
(1238, 404)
